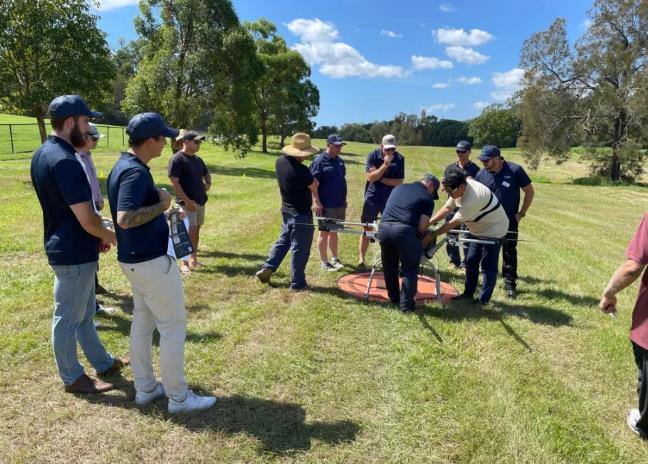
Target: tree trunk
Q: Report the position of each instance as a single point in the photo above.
(620, 124)
(40, 120)
(264, 136)
(615, 165)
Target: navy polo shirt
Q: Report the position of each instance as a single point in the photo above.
(470, 169)
(506, 185)
(331, 175)
(407, 203)
(130, 187)
(377, 192)
(59, 181)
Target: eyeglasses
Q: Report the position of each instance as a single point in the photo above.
(461, 152)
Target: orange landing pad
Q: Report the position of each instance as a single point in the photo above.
(356, 285)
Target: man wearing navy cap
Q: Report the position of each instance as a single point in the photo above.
(138, 208)
(385, 170)
(405, 219)
(329, 170)
(505, 180)
(470, 169)
(73, 237)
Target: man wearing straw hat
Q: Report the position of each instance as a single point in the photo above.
(298, 190)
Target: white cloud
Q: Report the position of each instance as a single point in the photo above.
(107, 5)
(439, 107)
(466, 55)
(440, 85)
(469, 80)
(460, 37)
(446, 7)
(480, 105)
(586, 24)
(507, 83)
(319, 46)
(391, 34)
(429, 62)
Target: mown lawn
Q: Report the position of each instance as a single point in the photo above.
(318, 377)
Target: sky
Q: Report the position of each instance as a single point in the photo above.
(374, 59)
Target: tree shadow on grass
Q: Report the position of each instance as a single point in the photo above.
(280, 427)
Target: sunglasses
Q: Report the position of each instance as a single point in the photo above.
(461, 152)
(390, 149)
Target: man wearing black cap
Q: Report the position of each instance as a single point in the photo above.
(191, 181)
(74, 235)
(470, 169)
(138, 208)
(505, 180)
(404, 220)
(329, 170)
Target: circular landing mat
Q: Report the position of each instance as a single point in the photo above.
(356, 286)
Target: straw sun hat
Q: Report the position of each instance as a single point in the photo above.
(300, 146)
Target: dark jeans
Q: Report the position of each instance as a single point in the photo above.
(297, 238)
(399, 243)
(454, 250)
(509, 256)
(487, 256)
(641, 358)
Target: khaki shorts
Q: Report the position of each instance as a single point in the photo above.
(332, 213)
(196, 218)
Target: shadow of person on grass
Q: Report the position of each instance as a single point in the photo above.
(280, 427)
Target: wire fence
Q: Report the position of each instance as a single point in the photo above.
(25, 138)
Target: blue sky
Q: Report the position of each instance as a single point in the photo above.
(373, 59)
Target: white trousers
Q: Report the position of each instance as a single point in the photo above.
(158, 302)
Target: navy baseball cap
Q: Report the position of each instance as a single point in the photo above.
(463, 145)
(335, 139)
(145, 125)
(489, 151)
(70, 105)
(435, 182)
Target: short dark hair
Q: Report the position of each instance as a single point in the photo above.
(57, 123)
(454, 179)
(136, 143)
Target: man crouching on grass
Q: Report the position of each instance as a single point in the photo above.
(138, 208)
(73, 237)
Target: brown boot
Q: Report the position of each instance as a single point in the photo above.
(85, 384)
(117, 365)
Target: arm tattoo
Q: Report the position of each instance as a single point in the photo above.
(140, 216)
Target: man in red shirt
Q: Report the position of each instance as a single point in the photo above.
(626, 274)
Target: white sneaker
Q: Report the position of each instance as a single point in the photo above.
(328, 267)
(143, 398)
(96, 324)
(106, 310)
(191, 403)
(633, 416)
(336, 264)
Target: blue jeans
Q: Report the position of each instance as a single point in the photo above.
(399, 244)
(297, 238)
(74, 306)
(488, 257)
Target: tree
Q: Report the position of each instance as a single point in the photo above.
(50, 48)
(286, 99)
(592, 93)
(199, 68)
(496, 125)
(322, 132)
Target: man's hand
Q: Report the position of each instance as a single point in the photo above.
(608, 303)
(165, 198)
(519, 216)
(318, 208)
(104, 247)
(387, 160)
(207, 186)
(109, 237)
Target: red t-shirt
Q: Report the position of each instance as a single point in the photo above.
(638, 251)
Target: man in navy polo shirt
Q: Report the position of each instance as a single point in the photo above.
(470, 169)
(505, 180)
(329, 170)
(74, 234)
(138, 208)
(404, 220)
(385, 170)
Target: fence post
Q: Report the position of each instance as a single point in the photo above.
(107, 136)
(11, 138)
(122, 131)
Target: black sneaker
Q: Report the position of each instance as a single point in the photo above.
(511, 293)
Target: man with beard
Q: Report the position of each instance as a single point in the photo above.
(73, 237)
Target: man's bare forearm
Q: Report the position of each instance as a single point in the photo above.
(391, 182)
(625, 275)
(140, 216)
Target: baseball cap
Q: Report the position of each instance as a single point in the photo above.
(389, 141)
(94, 132)
(435, 182)
(65, 106)
(335, 139)
(489, 151)
(463, 145)
(145, 125)
(189, 135)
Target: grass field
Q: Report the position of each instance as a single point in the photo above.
(318, 377)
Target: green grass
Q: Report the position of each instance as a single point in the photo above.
(319, 377)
